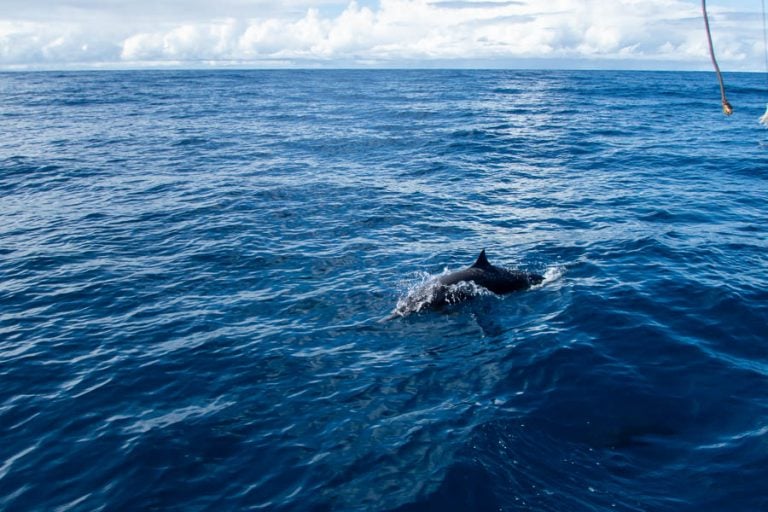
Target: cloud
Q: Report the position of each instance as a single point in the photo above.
(635, 33)
(465, 4)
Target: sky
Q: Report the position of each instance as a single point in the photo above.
(566, 34)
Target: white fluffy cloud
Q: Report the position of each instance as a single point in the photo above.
(596, 33)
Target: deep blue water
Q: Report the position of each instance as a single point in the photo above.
(194, 265)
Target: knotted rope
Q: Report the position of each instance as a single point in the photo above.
(764, 118)
(727, 108)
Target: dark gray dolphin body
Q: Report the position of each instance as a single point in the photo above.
(464, 284)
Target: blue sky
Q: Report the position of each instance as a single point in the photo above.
(607, 34)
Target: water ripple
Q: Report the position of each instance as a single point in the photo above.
(193, 267)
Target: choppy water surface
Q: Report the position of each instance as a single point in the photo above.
(193, 267)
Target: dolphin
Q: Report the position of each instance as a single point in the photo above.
(463, 285)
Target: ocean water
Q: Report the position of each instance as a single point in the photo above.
(194, 267)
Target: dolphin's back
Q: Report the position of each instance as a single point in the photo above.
(448, 288)
(495, 279)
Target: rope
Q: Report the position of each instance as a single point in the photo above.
(764, 119)
(727, 108)
(765, 44)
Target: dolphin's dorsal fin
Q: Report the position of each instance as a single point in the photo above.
(482, 261)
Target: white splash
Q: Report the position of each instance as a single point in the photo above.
(421, 293)
(764, 118)
(553, 274)
(416, 295)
